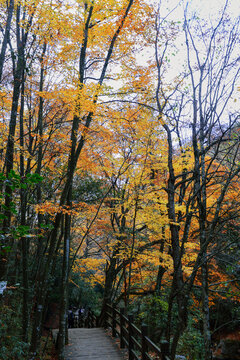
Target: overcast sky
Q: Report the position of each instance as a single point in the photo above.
(204, 8)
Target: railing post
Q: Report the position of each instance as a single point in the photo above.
(122, 322)
(130, 335)
(105, 315)
(164, 349)
(87, 323)
(80, 319)
(144, 333)
(74, 320)
(114, 323)
(90, 319)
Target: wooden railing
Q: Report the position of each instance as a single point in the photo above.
(87, 320)
(140, 347)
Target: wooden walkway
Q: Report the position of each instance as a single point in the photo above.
(92, 344)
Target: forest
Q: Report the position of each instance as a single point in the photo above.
(120, 170)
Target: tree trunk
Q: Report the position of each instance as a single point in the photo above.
(6, 36)
(9, 155)
(40, 246)
(205, 312)
(64, 288)
(23, 239)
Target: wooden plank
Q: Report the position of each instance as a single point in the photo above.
(92, 344)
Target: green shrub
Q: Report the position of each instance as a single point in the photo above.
(11, 346)
(191, 343)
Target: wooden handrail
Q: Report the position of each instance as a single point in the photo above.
(140, 347)
(88, 319)
(137, 341)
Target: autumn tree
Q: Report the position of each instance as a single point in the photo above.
(210, 81)
(51, 39)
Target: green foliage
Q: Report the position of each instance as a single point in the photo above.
(80, 292)
(88, 189)
(33, 178)
(46, 226)
(83, 294)
(191, 342)
(152, 311)
(11, 346)
(15, 183)
(13, 349)
(20, 231)
(224, 314)
(14, 180)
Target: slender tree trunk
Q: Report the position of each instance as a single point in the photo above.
(9, 155)
(132, 248)
(161, 271)
(6, 36)
(109, 280)
(202, 206)
(24, 241)
(64, 288)
(177, 284)
(205, 312)
(42, 287)
(41, 245)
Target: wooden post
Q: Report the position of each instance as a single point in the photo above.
(80, 320)
(144, 333)
(101, 317)
(114, 334)
(122, 323)
(130, 336)
(105, 316)
(57, 341)
(89, 318)
(164, 349)
(75, 325)
(92, 319)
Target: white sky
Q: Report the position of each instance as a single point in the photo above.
(204, 8)
(209, 10)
